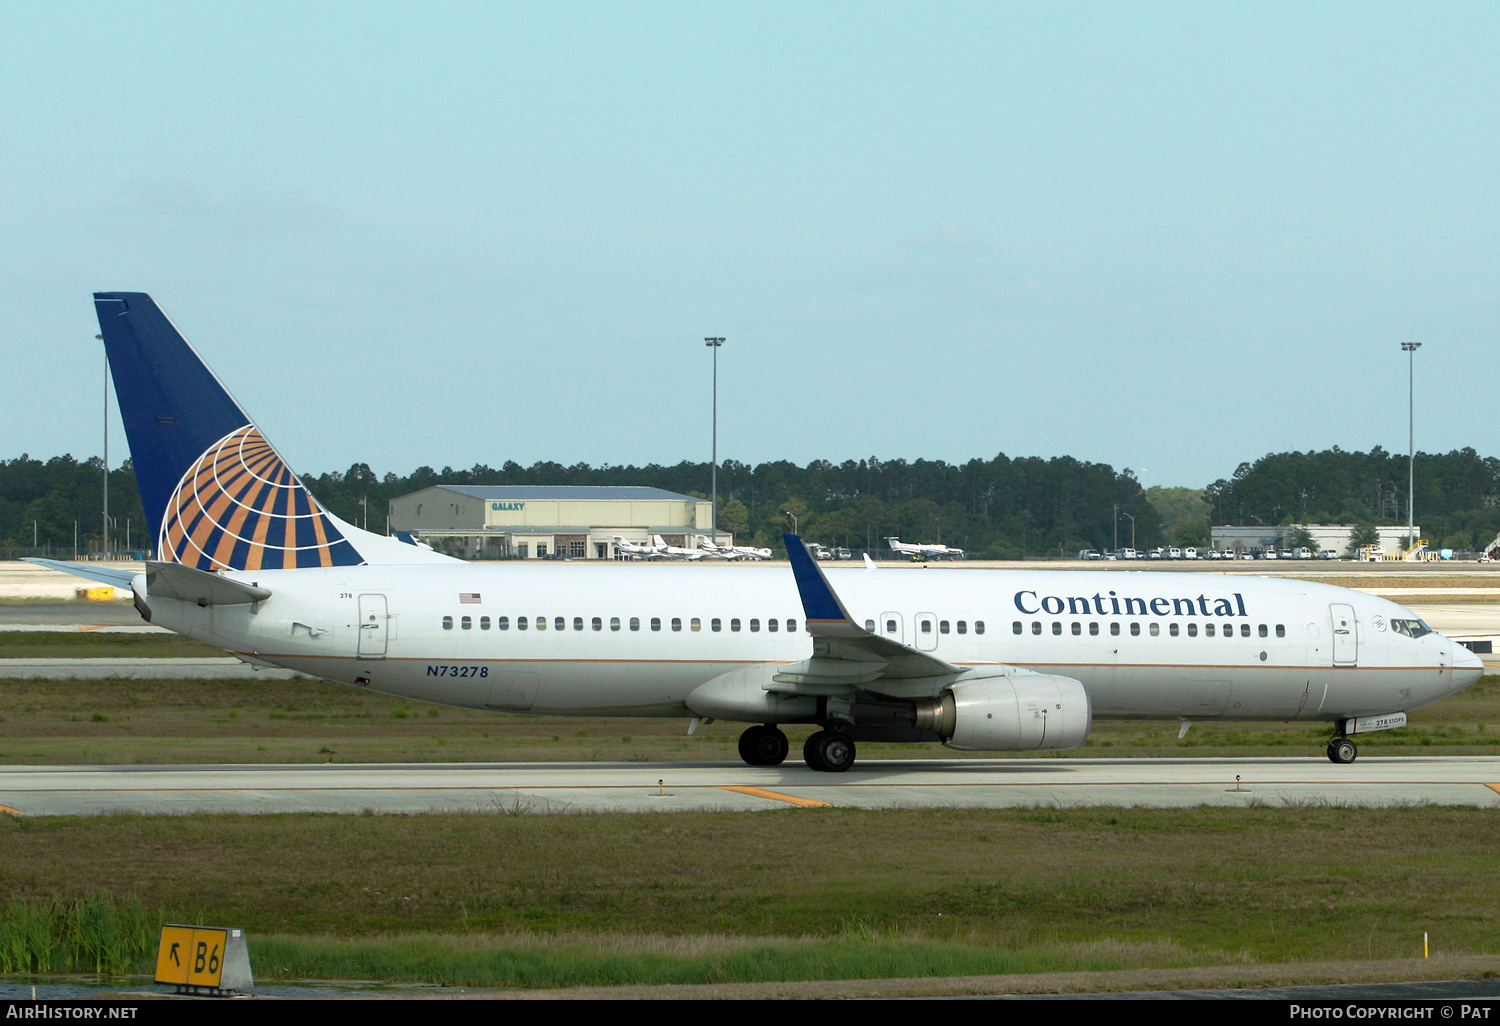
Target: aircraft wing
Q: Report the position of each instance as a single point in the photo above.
(845, 655)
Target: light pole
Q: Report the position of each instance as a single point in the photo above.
(104, 553)
(714, 344)
(1410, 348)
(794, 520)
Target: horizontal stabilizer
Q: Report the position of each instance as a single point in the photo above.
(90, 571)
(175, 581)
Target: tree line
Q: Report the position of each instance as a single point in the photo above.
(1005, 507)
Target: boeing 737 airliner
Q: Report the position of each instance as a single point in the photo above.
(989, 660)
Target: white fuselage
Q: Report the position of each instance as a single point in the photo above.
(633, 640)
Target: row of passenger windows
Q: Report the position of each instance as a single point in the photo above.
(560, 623)
(924, 625)
(1154, 629)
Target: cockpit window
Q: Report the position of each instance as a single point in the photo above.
(1411, 628)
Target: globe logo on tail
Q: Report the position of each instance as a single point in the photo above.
(239, 507)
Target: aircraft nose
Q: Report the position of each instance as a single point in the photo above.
(1467, 667)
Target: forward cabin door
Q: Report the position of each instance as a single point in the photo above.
(1345, 640)
(374, 623)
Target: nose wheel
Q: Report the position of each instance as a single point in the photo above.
(763, 746)
(1342, 751)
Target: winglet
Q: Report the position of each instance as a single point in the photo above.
(819, 603)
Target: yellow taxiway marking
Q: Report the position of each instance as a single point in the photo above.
(7, 808)
(760, 792)
(1493, 787)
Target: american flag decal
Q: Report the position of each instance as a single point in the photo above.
(239, 507)
(469, 598)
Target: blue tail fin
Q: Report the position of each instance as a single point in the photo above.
(217, 494)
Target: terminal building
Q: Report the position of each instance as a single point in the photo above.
(1258, 537)
(550, 521)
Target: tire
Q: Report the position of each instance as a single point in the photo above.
(1342, 751)
(829, 751)
(763, 746)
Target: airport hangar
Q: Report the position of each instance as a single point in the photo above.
(551, 521)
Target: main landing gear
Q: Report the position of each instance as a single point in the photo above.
(763, 746)
(829, 751)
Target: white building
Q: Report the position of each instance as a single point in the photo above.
(550, 521)
(1325, 536)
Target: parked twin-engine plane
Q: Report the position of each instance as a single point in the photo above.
(991, 660)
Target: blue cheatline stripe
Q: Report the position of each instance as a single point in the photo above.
(818, 600)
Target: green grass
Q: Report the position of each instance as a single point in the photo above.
(529, 900)
(122, 722)
(92, 645)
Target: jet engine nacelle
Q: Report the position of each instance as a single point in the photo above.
(1017, 711)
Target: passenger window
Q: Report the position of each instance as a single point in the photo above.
(963, 627)
(791, 626)
(577, 623)
(1114, 628)
(926, 626)
(614, 623)
(734, 624)
(1281, 630)
(1208, 630)
(677, 623)
(1077, 628)
(1093, 630)
(773, 624)
(942, 626)
(561, 623)
(1155, 630)
(541, 623)
(754, 625)
(1192, 630)
(502, 623)
(597, 624)
(656, 623)
(1172, 629)
(520, 623)
(484, 623)
(1015, 627)
(1056, 627)
(1263, 631)
(870, 626)
(978, 626)
(716, 625)
(635, 623)
(1244, 630)
(890, 626)
(1135, 630)
(447, 623)
(466, 623)
(1036, 627)
(695, 624)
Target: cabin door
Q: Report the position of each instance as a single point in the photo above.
(1345, 639)
(374, 624)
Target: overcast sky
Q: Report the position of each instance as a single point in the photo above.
(1171, 237)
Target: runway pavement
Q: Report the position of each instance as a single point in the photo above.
(682, 786)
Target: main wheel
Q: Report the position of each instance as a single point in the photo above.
(1343, 751)
(829, 751)
(763, 746)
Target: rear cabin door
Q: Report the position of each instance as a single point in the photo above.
(1345, 638)
(373, 626)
